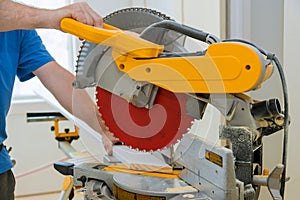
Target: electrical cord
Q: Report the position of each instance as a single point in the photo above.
(286, 120)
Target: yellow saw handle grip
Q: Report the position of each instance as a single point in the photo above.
(122, 41)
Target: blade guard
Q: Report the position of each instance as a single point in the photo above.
(167, 121)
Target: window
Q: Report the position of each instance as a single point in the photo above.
(59, 45)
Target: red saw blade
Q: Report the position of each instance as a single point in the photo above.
(142, 128)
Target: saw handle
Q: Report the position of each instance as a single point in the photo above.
(88, 32)
(122, 41)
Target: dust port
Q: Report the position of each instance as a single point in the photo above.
(266, 109)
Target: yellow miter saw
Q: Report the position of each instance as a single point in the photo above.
(150, 88)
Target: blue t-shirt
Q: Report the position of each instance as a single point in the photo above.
(21, 53)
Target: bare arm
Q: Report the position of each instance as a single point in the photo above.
(59, 82)
(14, 16)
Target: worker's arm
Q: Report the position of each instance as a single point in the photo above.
(59, 82)
(14, 16)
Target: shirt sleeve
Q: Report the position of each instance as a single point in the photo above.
(33, 55)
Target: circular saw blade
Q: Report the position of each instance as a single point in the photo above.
(142, 128)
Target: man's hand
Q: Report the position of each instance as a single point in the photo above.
(108, 138)
(108, 141)
(81, 12)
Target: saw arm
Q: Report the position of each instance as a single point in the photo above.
(224, 68)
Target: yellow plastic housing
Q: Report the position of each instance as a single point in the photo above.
(225, 68)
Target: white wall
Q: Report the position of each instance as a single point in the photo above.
(266, 30)
(292, 69)
(105, 7)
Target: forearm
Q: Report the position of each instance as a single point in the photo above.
(77, 101)
(17, 16)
